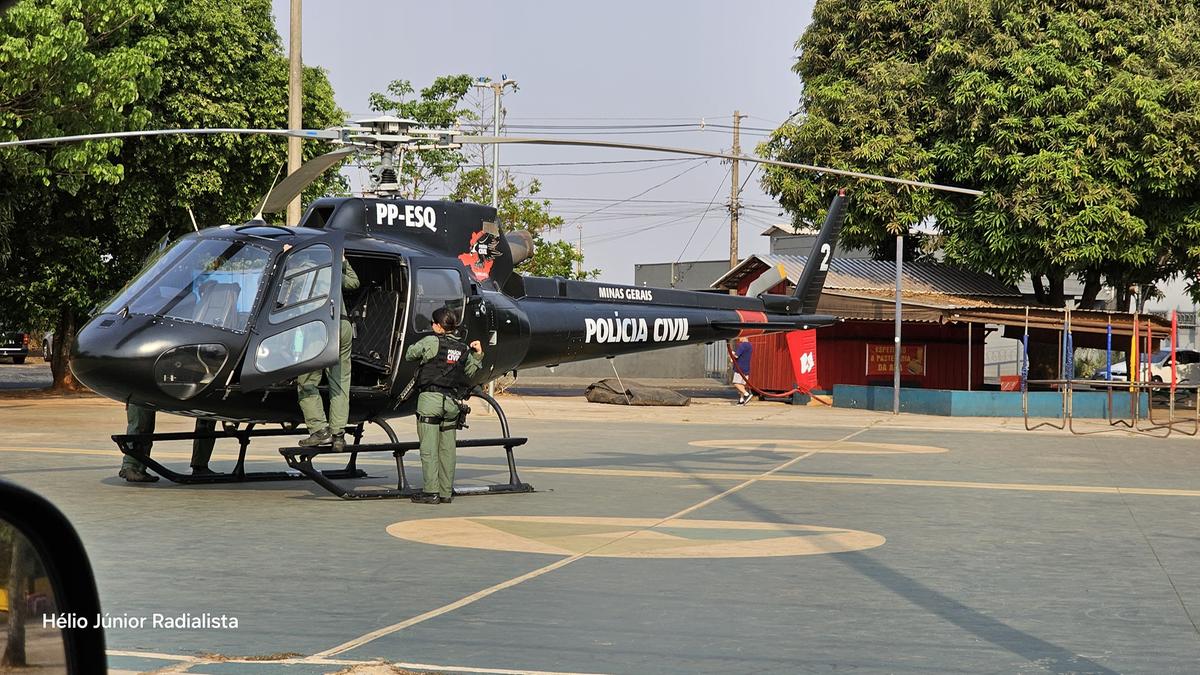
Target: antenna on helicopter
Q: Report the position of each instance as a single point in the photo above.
(258, 215)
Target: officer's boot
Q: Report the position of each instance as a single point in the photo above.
(319, 437)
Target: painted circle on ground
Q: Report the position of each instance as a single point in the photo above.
(824, 447)
(633, 537)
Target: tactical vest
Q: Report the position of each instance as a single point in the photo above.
(446, 372)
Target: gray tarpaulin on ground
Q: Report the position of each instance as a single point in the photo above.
(609, 390)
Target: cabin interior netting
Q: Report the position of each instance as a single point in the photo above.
(377, 311)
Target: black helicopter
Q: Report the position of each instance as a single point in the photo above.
(218, 324)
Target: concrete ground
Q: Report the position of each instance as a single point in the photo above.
(709, 538)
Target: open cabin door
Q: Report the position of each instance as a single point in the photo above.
(296, 330)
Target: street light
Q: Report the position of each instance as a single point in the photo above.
(497, 88)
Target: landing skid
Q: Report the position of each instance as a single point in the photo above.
(301, 459)
(127, 444)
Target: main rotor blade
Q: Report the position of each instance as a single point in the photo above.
(319, 134)
(289, 188)
(530, 140)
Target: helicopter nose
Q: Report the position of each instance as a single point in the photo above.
(141, 358)
(114, 356)
(97, 360)
(102, 375)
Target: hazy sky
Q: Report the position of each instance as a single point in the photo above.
(596, 63)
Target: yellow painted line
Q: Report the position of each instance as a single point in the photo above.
(714, 475)
(844, 480)
(491, 590)
(156, 453)
(796, 445)
(72, 451)
(192, 661)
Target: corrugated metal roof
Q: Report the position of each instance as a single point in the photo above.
(878, 275)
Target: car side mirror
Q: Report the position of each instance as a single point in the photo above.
(48, 600)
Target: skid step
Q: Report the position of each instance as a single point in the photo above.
(301, 460)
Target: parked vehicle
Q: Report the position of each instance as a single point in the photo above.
(14, 344)
(1187, 370)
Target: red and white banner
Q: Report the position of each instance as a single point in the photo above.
(802, 353)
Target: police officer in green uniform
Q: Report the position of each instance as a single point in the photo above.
(444, 379)
(140, 420)
(338, 378)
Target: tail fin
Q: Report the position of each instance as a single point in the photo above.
(812, 280)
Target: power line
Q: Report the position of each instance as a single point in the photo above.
(705, 214)
(652, 187)
(527, 116)
(610, 161)
(641, 169)
(601, 126)
(693, 125)
(639, 201)
(718, 230)
(614, 235)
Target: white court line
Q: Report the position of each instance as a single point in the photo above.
(479, 595)
(186, 662)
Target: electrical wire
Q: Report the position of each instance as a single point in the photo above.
(705, 214)
(609, 161)
(717, 230)
(614, 235)
(640, 169)
(652, 187)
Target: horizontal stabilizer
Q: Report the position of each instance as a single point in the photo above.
(786, 304)
(798, 323)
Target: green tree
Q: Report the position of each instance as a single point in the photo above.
(1079, 119)
(442, 105)
(220, 64)
(520, 209)
(19, 565)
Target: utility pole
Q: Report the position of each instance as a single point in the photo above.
(295, 98)
(497, 89)
(734, 204)
(899, 322)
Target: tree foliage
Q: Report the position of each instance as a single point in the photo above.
(83, 221)
(441, 105)
(520, 209)
(1079, 119)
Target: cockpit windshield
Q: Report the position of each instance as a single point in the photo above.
(211, 281)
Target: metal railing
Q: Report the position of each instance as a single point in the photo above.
(1141, 380)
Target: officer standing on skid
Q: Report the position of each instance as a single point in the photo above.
(444, 380)
(331, 429)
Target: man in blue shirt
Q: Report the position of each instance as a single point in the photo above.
(741, 369)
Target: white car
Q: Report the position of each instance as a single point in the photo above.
(1187, 370)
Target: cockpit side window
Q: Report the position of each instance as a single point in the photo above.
(437, 288)
(305, 284)
(213, 282)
